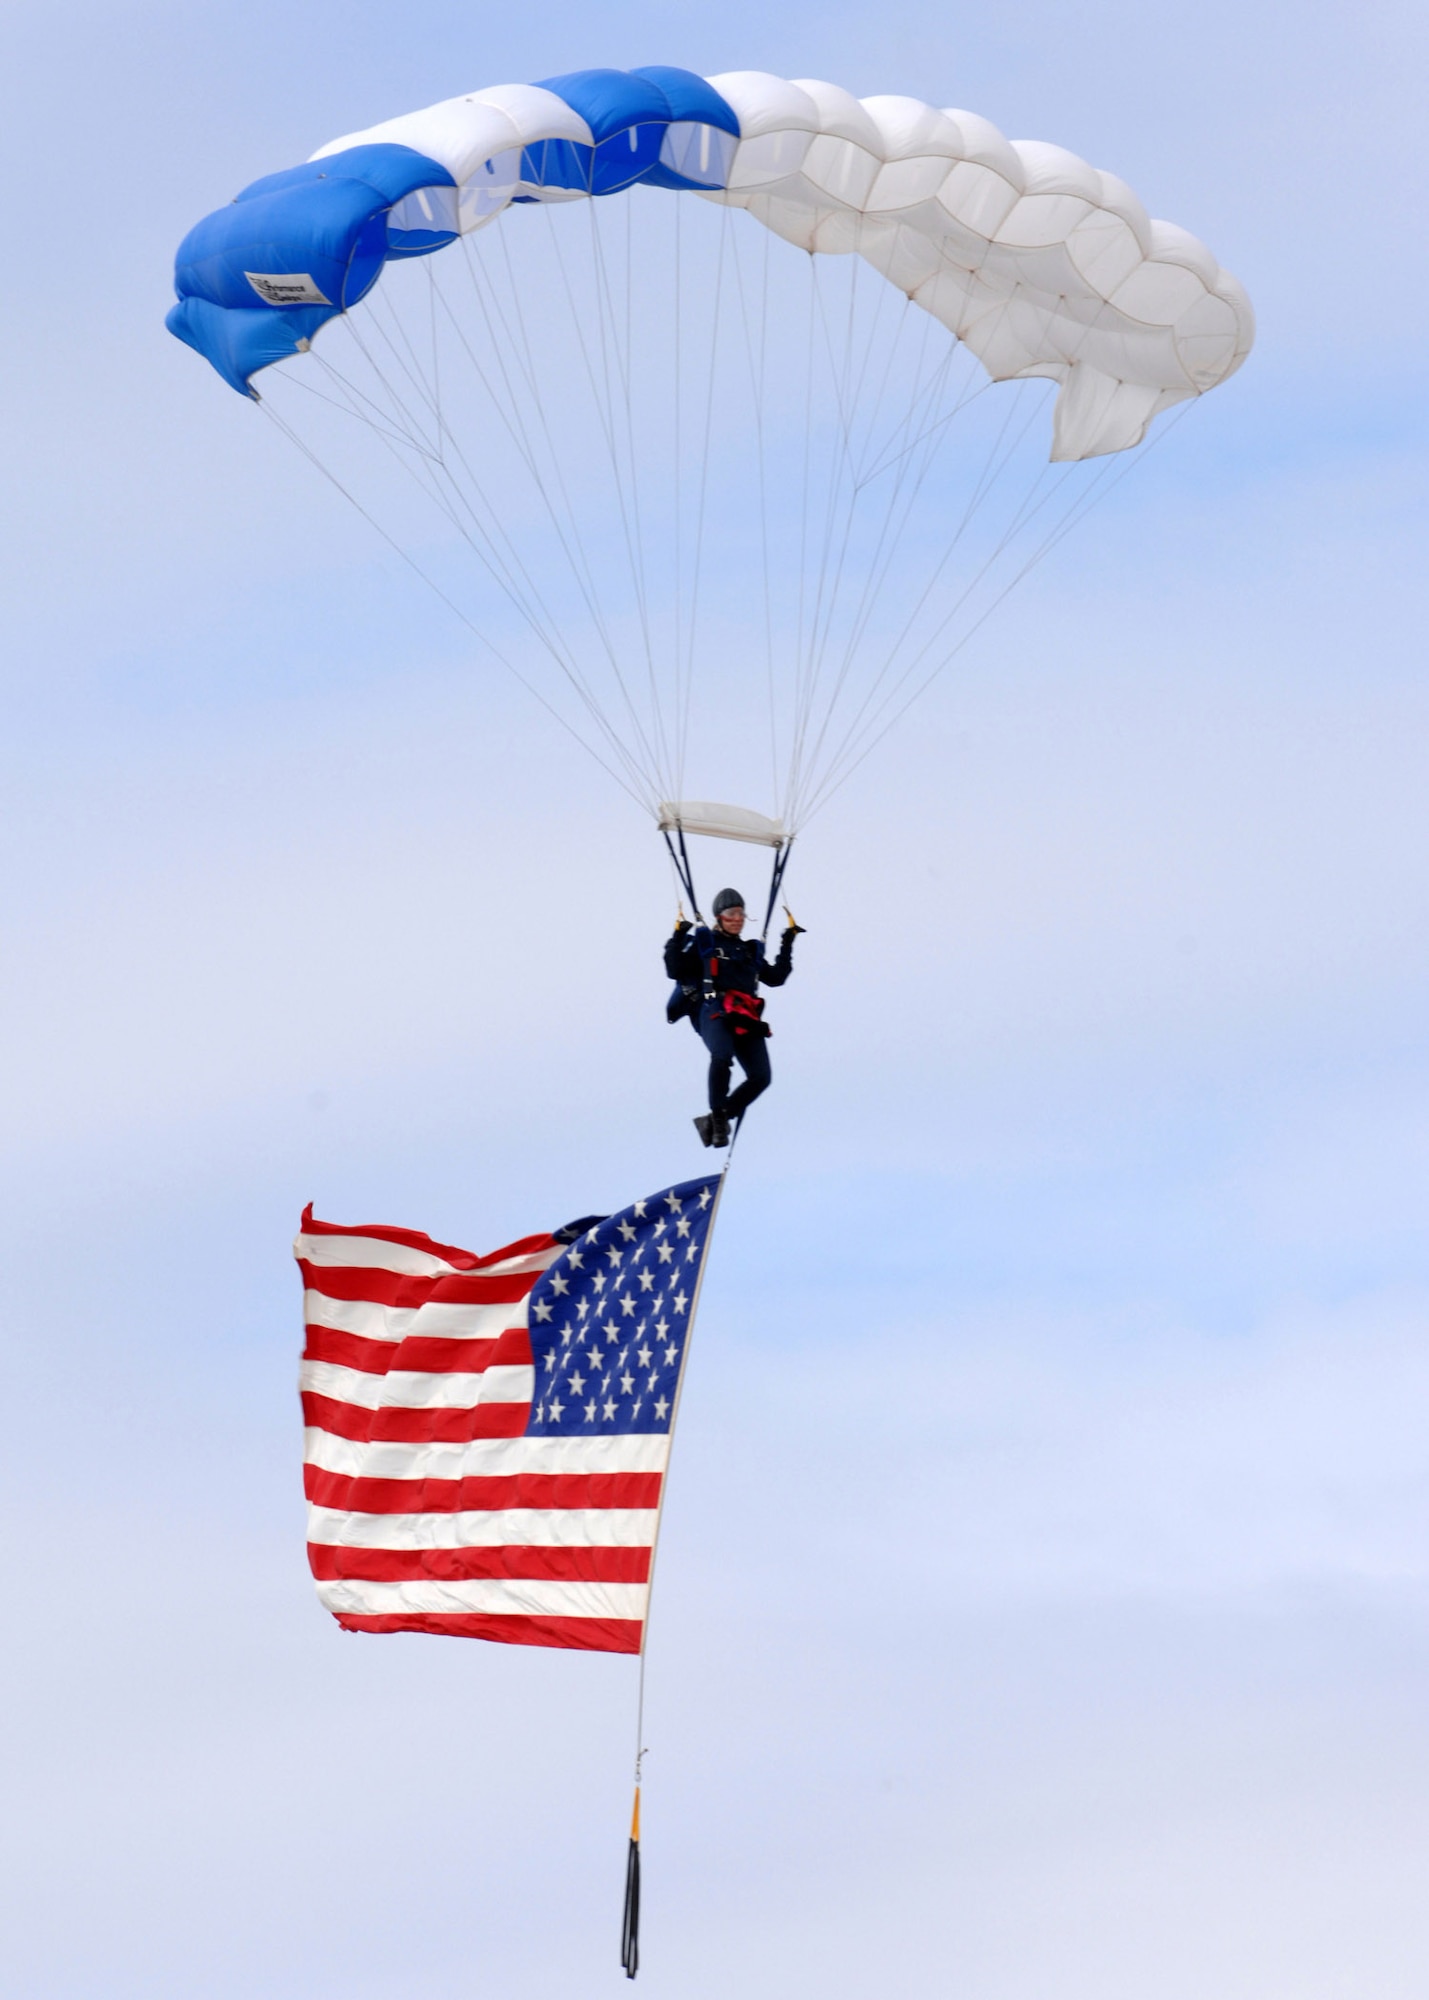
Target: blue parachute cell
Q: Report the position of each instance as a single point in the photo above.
(257, 278)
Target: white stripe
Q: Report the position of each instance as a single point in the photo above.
(405, 1390)
(433, 1322)
(371, 1253)
(486, 1457)
(515, 1527)
(497, 1594)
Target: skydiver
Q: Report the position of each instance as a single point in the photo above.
(718, 973)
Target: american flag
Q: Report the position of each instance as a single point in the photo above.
(486, 1438)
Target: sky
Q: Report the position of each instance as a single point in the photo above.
(1042, 1606)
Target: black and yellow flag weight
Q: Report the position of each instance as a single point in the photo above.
(630, 1927)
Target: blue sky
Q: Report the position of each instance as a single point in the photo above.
(1042, 1606)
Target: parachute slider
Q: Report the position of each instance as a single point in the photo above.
(722, 822)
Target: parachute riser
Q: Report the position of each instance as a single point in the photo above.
(681, 864)
(680, 861)
(776, 883)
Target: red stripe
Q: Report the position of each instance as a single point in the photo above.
(547, 1565)
(396, 1426)
(390, 1288)
(413, 1239)
(420, 1355)
(480, 1493)
(591, 1635)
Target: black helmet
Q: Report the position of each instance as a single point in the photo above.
(728, 899)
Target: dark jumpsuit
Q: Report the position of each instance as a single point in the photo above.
(738, 965)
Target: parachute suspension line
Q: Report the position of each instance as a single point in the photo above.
(605, 414)
(509, 410)
(851, 467)
(282, 425)
(704, 463)
(757, 374)
(677, 505)
(998, 457)
(839, 376)
(786, 802)
(1101, 486)
(878, 572)
(874, 702)
(428, 474)
(1028, 508)
(910, 468)
(506, 567)
(844, 477)
(610, 347)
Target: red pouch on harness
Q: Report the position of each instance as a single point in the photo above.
(745, 1013)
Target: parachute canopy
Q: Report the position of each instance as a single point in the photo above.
(1040, 264)
(682, 457)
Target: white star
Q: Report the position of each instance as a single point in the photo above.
(670, 1353)
(582, 1307)
(577, 1383)
(674, 1201)
(627, 1304)
(639, 1211)
(550, 1360)
(679, 1302)
(665, 1252)
(627, 1232)
(565, 1336)
(682, 1227)
(660, 1226)
(609, 1410)
(662, 1327)
(590, 1413)
(661, 1409)
(543, 1310)
(610, 1332)
(598, 1282)
(540, 1413)
(692, 1253)
(560, 1286)
(704, 1198)
(634, 1409)
(556, 1408)
(647, 1280)
(574, 1259)
(642, 1355)
(626, 1384)
(590, 1234)
(613, 1254)
(649, 1386)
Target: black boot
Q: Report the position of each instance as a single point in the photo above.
(719, 1129)
(705, 1127)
